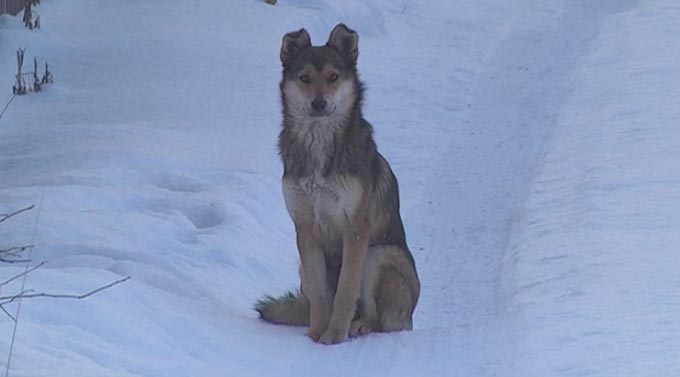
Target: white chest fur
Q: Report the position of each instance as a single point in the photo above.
(332, 201)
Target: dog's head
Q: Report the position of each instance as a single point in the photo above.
(320, 81)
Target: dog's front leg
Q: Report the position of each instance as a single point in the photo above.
(312, 259)
(313, 275)
(354, 251)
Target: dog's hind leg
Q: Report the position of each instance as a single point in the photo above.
(390, 292)
(394, 301)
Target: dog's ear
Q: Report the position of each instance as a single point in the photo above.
(345, 41)
(292, 44)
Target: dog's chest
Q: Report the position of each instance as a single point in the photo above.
(334, 199)
(332, 196)
(317, 191)
(330, 202)
(325, 193)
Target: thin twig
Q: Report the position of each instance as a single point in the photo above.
(5, 260)
(22, 274)
(23, 285)
(6, 254)
(16, 249)
(7, 313)
(7, 299)
(6, 106)
(6, 216)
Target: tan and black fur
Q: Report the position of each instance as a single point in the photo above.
(357, 274)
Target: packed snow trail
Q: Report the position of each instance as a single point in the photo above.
(476, 187)
(591, 274)
(155, 150)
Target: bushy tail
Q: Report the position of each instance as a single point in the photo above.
(289, 309)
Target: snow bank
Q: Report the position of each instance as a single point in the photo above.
(592, 270)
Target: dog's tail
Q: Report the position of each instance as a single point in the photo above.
(289, 309)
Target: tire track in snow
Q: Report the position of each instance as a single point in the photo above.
(485, 176)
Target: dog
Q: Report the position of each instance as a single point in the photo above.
(357, 273)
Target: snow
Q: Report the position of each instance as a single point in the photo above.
(592, 266)
(535, 142)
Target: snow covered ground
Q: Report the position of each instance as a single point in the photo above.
(536, 143)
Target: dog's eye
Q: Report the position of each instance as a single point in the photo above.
(305, 79)
(333, 77)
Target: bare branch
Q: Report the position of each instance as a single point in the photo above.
(6, 216)
(15, 249)
(6, 255)
(22, 274)
(7, 313)
(7, 299)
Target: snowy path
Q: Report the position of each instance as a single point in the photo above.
(591, 273)
(485, 176)
(162, 165)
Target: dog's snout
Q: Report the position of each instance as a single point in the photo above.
(319, 104)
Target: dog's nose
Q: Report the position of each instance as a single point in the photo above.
(319, 104)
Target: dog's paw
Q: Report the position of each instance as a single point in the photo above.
(314, 334)
(331, 336)
(359, 328)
